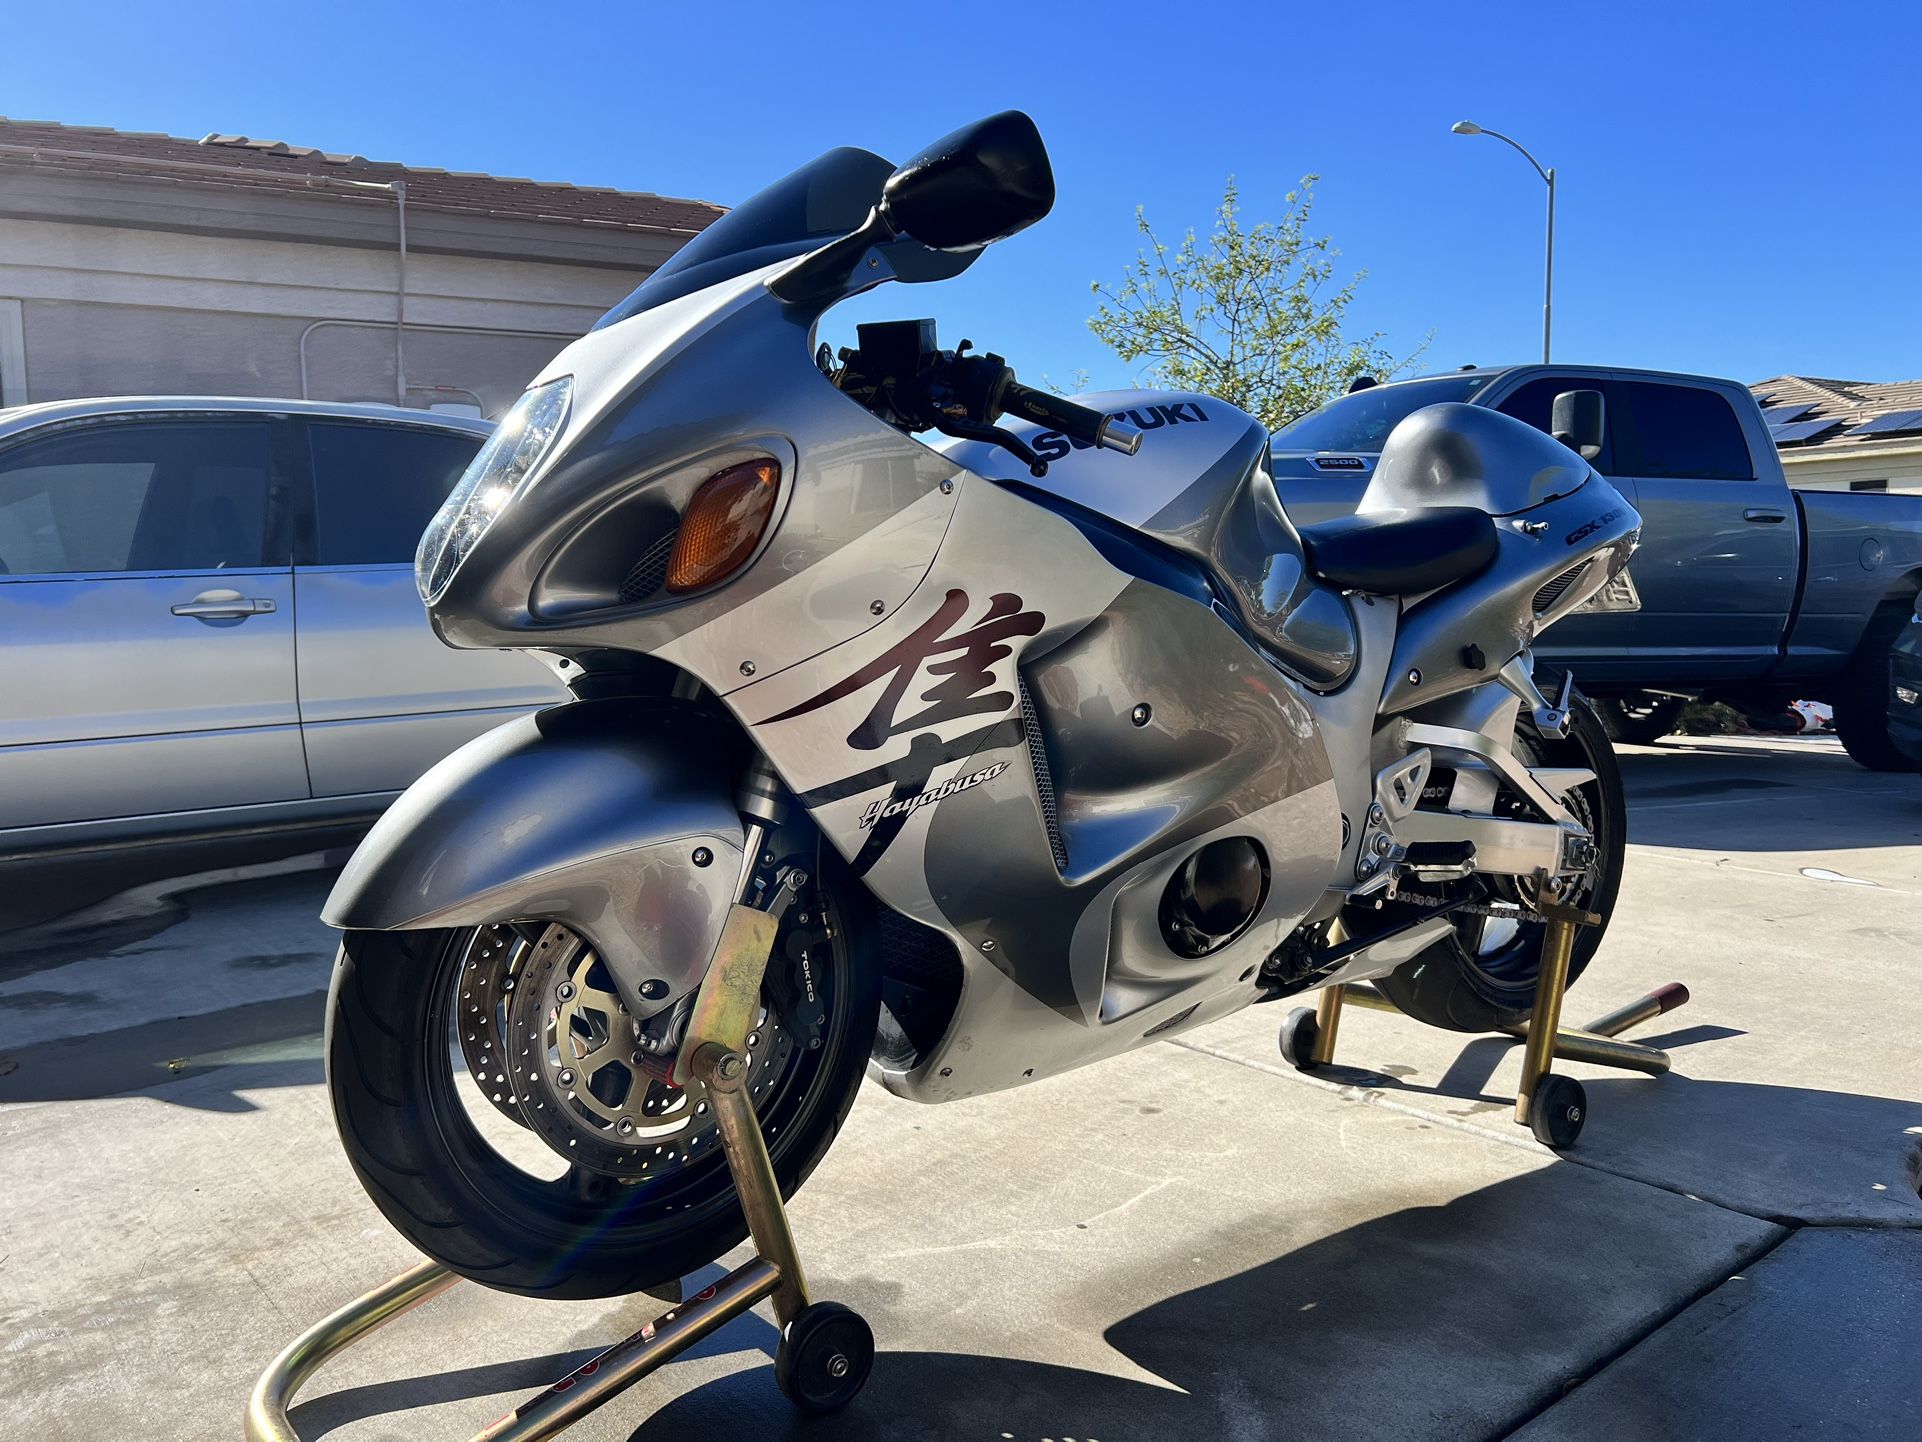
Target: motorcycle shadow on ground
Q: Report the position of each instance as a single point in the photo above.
(1779, 1152)
(1282, 1347)
(1423, 1322)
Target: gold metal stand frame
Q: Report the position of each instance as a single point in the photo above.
(826, 1350)
(1551, 1105)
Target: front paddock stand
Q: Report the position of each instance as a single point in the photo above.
(1549, 1104)
(826, 1350)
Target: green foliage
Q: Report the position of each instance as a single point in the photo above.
(1712, 718)
(1249, 315)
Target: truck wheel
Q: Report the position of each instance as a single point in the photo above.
(1640, 719)
(1861, 696)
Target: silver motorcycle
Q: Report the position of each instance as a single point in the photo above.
(1022, 748)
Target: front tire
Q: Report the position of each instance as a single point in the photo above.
(1470, 981)
(475, 1206)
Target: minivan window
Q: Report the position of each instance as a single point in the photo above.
(1534, 403)
(182, 496)
(1361, 420)
(376, 487)
(1684, 432)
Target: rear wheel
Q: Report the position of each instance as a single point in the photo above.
(1482, 976)
(1861, 698)
(492, 1099)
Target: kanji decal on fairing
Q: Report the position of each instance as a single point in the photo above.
(965, 662)
(967, 673)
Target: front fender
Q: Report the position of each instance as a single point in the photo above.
(595, 814)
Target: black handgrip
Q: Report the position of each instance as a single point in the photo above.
(1074, 421)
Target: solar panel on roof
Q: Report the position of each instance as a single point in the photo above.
(1800, 431)
(1891, 423)
(1781, 415)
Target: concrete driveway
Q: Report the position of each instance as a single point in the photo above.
(1192, 1241)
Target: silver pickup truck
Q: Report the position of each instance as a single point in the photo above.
(1746, 591)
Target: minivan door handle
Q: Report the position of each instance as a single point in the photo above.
(223, 606)
(1762, 516)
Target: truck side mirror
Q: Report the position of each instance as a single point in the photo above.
(1577, 421)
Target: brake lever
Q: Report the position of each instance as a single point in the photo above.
(965, 430)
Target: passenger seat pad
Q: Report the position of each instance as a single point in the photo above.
(1400, 553)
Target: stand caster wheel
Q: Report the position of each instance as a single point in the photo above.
(1556, 1110)
(1299, 1033)
(824, 1357)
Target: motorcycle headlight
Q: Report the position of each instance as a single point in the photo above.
(523, 438)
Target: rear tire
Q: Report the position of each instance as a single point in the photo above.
(444, 1187)
(1861, 697)
(1455, 986)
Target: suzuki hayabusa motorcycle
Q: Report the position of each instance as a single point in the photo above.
(1040, 738)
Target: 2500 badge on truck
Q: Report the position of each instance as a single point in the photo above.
(1743, 590)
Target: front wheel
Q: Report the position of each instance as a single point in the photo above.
(1481, 977)
(490, 1096)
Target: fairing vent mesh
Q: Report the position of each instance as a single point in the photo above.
(920, 987)
(1043, 778)
(917, 953)
(649, 574)
(1551, 592)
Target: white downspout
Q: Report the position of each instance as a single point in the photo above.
(398, 189)
(400, 299)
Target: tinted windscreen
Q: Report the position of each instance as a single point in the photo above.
(822, 201)
(1362, 421)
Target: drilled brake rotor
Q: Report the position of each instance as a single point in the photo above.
(579, 1079)
(487, 979)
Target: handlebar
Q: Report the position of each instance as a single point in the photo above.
(1076, 422)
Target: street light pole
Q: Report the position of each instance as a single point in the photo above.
(1469, 127)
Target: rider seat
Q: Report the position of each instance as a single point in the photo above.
(1401, 553)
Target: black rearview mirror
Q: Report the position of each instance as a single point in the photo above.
(1576, 421)
(978, 185)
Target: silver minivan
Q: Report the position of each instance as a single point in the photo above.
(208, 618)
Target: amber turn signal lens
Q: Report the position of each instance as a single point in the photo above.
(723, 524)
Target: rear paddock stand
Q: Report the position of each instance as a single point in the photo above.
(826, 1350)
(1549, 1104)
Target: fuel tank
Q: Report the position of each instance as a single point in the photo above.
(1200, 485)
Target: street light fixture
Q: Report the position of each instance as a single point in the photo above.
(1469, 127)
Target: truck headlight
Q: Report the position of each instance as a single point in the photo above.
(519, 444)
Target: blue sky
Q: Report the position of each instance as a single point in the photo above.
(1740, 185)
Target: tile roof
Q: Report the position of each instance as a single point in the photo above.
(238, 161)
(1852, 403)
